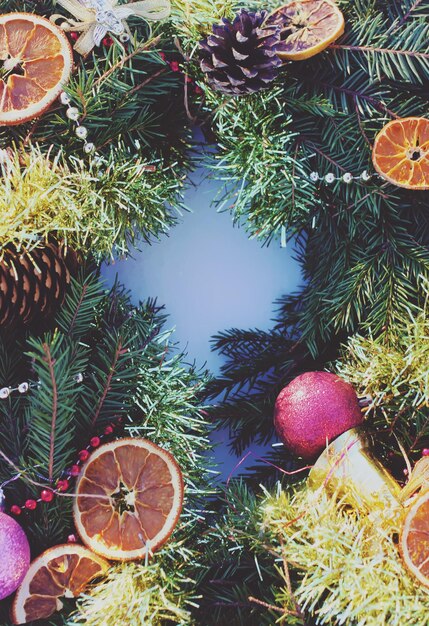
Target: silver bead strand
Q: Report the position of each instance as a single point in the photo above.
(81, 131)
(346, 178)
(25, 387)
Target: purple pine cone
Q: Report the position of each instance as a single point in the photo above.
(240, 58)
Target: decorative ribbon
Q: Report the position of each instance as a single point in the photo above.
(95, 18)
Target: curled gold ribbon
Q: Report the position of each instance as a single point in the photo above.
(93, 19)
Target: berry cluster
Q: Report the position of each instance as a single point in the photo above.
(47, 495)
(175, 67)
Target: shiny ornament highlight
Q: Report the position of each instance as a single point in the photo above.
(312, 410)
(15, 555)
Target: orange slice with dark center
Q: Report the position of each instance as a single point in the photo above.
(401, 153)
(35, 62)
(414, 541)
(63, 571)
(129, 499)
(307, 27)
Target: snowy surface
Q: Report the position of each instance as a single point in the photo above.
(211, 277)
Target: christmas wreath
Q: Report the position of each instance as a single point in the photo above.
(319, 112)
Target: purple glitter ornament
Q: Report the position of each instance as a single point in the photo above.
(314, 409)
(14, 553)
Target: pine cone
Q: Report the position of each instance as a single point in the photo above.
(240, 58)
(33, 285)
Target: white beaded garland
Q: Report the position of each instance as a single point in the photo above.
(347, 177)
(73, 114)
(82, 132)
(65, 98)
(25, 387)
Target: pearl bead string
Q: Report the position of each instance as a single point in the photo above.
(25, 387)
(347, 178)
(81, 131)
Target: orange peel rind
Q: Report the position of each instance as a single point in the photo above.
(401, 153)
(36, 61)
(129, 499)
(414, 540)
(62, 571)
(307, 27)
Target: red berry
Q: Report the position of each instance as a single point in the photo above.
(74, 36)
(198, 90)
(175, 66)
(30, 504)
(74, 471)
(162, 55)
(83, 455)
(15, 509)
(425, 452)
(188, 79)
(47, 495)
(71, 539)
(108, 41)
(63, 485)
(108, 430)
(95, 442)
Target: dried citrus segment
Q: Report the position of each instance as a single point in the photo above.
(21, 92)
(61, 571)
(307, 27)
(401, 153)
(414, 541)
(35, 62)
(18, 32)
(45, 75)
(129, 498)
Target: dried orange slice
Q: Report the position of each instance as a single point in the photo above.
(35, 62)
(414, 542)
(401, 153)
(307, 27)
(62, 571)
(129, 498)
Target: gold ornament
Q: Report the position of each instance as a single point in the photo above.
(347, 468)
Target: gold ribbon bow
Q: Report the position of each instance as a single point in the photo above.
(95, 18)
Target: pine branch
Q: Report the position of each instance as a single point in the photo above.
(48, 359)
(49, 412)
(107, 384)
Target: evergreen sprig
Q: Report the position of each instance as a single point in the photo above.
(132, 104)
(105, 359)
(363, 246)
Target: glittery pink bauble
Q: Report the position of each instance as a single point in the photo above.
(14, 555)
(314, 408)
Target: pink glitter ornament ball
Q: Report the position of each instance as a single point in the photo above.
(315, 408)
(14, 555)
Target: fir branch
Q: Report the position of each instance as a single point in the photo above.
(48, 359)
(107, 384)
(373, 50)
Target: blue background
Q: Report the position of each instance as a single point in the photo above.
(211, 277)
